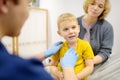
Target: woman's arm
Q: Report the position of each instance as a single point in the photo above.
(87, 70)
(106, 43)
(97, 59)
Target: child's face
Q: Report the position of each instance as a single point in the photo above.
(69, 30)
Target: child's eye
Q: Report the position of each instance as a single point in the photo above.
(92, 3)
(65, 29)
(73, 27)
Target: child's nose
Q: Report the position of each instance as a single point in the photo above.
(71, 30)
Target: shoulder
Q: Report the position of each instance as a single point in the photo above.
(83, 43)
(25, 63)
(30, 69)
(21, 69)
(85, 49)
(105, 24)
(79, 19)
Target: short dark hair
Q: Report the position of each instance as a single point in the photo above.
(15, 1)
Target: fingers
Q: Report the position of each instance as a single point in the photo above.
(70, 51)
(59, 43)
(73, 52)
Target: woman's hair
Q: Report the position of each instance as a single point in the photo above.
(105, 11)
(66, 17)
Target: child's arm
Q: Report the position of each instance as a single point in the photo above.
(87, 70)
(56, 73)
(54, 70)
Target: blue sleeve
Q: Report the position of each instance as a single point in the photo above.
(15, 68)
(34, 70)
(20, 69)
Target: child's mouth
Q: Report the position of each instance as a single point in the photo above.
(71, 37)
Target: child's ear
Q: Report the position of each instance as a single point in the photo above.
(59, 33)
(3, 6)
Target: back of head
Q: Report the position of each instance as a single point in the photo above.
(65, 17)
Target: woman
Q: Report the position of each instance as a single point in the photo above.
(96, 30)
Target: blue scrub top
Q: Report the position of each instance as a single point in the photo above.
(15, 68)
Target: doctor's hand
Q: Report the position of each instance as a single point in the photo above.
(69, 58)
(53, 49)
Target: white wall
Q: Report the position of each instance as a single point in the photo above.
(114, 19)
(56, 7)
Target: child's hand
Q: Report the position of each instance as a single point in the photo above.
(53, 49)
(59, 75)
(56, 73)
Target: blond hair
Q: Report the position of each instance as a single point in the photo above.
(66, 17)
(104, 13)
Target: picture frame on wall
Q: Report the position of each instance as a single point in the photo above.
(34, 35)
(34, 3)
(11, 44)
(35, 40)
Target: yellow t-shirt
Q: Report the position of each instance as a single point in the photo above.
(83, 49)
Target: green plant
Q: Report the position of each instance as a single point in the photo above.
(34, 1)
